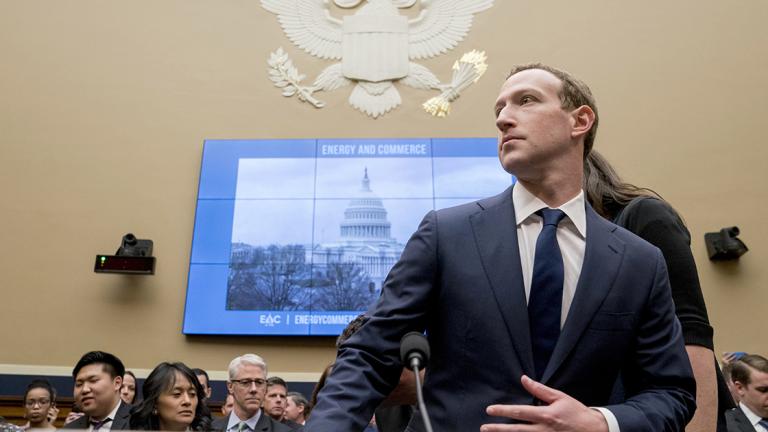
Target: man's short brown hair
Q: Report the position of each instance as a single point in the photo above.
(574, 94)
(740, 369)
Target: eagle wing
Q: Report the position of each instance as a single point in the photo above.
(442, 25)
(309, 25)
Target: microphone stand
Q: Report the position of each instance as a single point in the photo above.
(419, 395)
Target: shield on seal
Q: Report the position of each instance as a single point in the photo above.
(375, 47)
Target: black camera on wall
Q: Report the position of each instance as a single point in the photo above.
(133, 257)
(724, 245)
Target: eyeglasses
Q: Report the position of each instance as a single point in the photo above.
(32, 402)
(247, 383)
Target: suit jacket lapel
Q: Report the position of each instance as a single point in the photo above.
(602, 256)
(122, 417)
(496, 237)
(742, 420)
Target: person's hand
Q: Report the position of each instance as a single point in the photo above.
(72, 416)
(53, 412)
(730, 357)
(562, 413)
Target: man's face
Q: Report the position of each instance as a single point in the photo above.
(275, 402)
(755, 394)
(293, 412)
(96, 391)
(206, 387)
(248, 394)
(229, 403)
(534, 129)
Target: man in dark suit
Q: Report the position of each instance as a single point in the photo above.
(749, 375)
(276, 400)
(247, 384)
(98, 378)
(532, 303)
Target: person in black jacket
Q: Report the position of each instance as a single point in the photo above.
(98, 378)
(173, 401)
(644, 213)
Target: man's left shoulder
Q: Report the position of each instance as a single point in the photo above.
(627, 240)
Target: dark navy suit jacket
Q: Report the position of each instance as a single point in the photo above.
(459, 278)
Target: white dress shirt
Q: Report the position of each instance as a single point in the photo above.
(234, 421)
(572, 239)
(106, 427)
(753, 418)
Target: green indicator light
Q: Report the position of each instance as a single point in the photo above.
(103, 259)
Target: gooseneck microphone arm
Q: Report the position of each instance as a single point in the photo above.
(414, 351)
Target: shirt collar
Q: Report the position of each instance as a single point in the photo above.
(113, 413)
(527, 204)
(234, 420)
(751, 416)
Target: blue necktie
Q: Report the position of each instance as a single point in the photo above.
(546, 298)
(763, 423)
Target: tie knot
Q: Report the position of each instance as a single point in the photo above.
(97, 424)
(551, 216)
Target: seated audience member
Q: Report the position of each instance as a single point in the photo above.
(98, 379)
(247, 384)
(727, 367)
(39, 403)
(74, 413)
(276, 400)
(171, 401)
(750, 378)
(128, 390)
(296, 408)
(202, 376)
(229, 402)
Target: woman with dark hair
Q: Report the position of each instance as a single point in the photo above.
(644, 213)
(39, 402)
(128, 390)
(171, 401)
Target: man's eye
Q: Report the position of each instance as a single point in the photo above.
(526, 99)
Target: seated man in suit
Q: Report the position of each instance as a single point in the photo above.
(532, 303)
(297, 409)
(98, 378)
(276, 401)
(202, 376)
(247, 384)
(750, 380)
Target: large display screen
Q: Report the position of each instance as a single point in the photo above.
(296, 237)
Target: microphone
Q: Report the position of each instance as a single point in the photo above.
(414, 352)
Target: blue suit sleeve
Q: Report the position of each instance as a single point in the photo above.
(368, 367)
(660, 388)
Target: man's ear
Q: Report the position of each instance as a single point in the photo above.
(582, 119)
(740, 387)
(118, 382)
(229, 388)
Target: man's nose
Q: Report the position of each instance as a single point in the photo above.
(505, 119)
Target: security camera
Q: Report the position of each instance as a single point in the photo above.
(724, 245)
(133, 257)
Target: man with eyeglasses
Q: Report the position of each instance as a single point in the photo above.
(247, 384)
